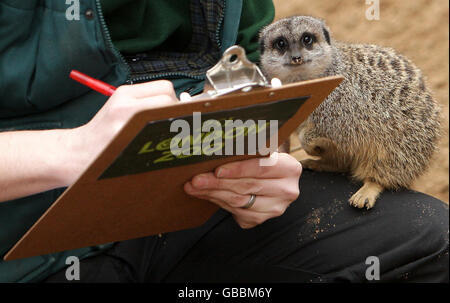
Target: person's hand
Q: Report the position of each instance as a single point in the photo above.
(89, 140)
(232, 184)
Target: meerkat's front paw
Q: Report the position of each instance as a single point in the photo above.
(311, 164)
(366, 196)
(361, 199)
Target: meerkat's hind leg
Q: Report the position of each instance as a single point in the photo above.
(366, 195)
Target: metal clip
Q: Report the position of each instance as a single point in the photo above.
(232, 73)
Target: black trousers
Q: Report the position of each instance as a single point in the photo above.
(319, 238)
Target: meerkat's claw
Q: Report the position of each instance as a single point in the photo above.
(366, 196)
(368, 204)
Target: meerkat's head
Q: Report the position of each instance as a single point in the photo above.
(296, 48)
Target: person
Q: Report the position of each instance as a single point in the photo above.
(52, 128)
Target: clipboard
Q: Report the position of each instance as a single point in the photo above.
(132, 191)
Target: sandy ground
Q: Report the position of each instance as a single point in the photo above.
(418, 29)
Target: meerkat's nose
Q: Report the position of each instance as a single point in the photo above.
(297, 59)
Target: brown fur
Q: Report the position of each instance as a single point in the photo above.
(381, 124)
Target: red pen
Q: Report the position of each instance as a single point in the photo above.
(97, 85)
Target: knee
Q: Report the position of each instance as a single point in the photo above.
(431, 216)
(421, 216)
(423, 235)
(434, 219)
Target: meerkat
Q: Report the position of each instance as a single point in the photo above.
(381, 124)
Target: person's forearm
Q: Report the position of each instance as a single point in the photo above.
(36, 161)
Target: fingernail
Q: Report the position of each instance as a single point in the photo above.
(221, 172)
(199, 181)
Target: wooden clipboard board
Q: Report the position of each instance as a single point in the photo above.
(107, 204)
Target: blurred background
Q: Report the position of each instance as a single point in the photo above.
(418, 29)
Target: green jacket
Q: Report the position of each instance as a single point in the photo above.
(39, 47)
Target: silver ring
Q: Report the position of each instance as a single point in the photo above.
(250, 202)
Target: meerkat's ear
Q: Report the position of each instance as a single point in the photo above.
(326, 33)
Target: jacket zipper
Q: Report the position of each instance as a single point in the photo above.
(109, 42)
(170, 75)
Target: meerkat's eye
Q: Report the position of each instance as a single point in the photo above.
(307, 39)
(281, 44)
